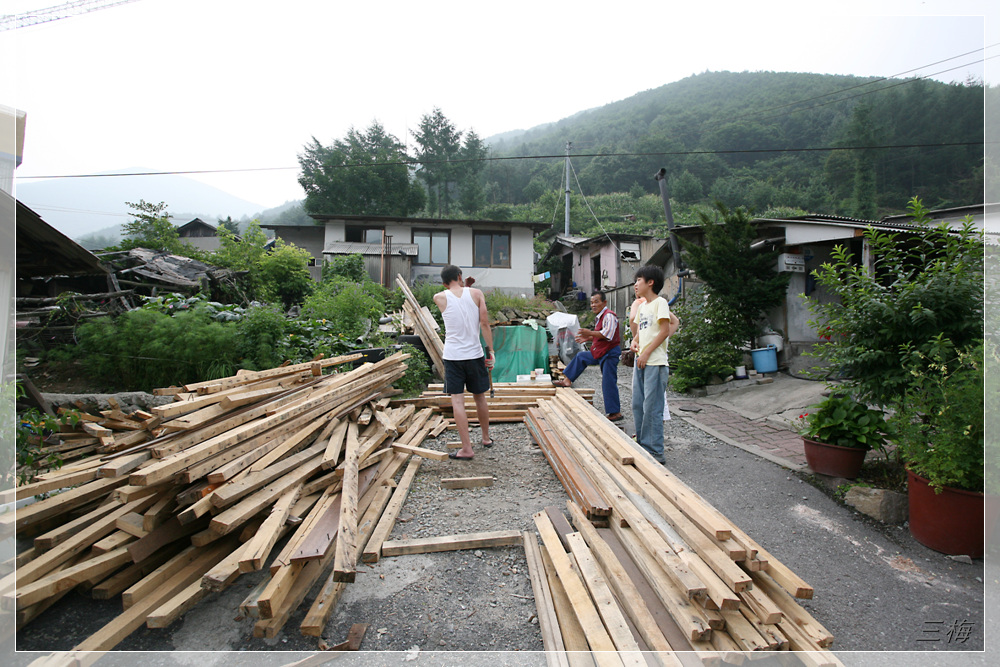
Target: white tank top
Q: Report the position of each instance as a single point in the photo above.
(461, 327)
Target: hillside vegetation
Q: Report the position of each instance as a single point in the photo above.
(762, 139)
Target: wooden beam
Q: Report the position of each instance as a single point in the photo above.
(466, 482)
(496, 538)
(347, 531)
(373, 550)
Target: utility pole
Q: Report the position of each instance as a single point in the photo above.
(569, 145)
(675, 249)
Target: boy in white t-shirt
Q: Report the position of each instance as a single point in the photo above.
(652, 325)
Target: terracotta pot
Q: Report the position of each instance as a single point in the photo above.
(834, 460)
(950, 522)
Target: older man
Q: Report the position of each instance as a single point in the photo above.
(605, 350)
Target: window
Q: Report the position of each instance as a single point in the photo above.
(363, 234)
(433, 246)
(491, 249)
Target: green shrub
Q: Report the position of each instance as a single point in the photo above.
(923, 285)
(351, 267)
(840, 420)
(355, 307)
(143, 349)
(418, 373)
(260, 337)
(705, 343)
(285, 275)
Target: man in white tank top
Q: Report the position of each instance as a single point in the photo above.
(465, 365)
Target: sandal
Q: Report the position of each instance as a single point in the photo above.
(562, 383)
(454, 455)
(486, 444)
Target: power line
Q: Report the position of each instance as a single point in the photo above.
(65, 10)
(599, 155)
(525, 157)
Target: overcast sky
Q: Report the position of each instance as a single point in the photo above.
(184, 85)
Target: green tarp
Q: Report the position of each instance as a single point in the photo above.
(519, 350)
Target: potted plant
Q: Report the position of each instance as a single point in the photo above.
(838, 432)
(939, 431)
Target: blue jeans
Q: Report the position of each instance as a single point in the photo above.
(609, 375)
(648, 385)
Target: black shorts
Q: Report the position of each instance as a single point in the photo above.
(467, 373)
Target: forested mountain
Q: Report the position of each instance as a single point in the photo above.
(765, 140)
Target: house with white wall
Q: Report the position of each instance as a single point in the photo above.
(499, 255)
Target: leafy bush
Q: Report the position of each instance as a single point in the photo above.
(33, 427)
(840, 420)
(418, 372)
(938, 422)
(353, 306)
(142, 348)
(260, 337)
(351, 267)
(921, 287)
(705, 343)
(285, 275)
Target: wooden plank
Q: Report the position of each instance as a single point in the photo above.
(52, 506)
(173, 608)
(259, 547)
(548, 623)
(156, 577)
(334, 445)
(119, 582)
(577, 650)
(347, 532)
(496, 538)
(125, 464)
(112, 542)
(373, 550)
(421, 452)
(597, 636)
(466, 482)
(131, 523)
(46, 562)
(608, 609)
(56, 536)
(319, 612)
(64, 580)
(124, 624)
(53, 484)
(625, 590)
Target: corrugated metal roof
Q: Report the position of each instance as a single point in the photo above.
(356, 248)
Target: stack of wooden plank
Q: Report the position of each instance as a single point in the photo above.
(650, 564)
(424, 326)
(238, 464)
(513, 316)
(510, 402)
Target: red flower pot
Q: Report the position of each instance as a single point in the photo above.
(834, 460)
(950, 522)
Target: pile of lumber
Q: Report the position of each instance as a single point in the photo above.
(513, 317)
(235, 465)
(424, 325)
(648, 564)
(510, 402)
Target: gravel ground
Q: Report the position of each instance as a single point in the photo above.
(876, 588)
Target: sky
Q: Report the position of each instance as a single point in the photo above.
(193, 85)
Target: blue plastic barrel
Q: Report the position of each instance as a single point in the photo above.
(765, 359)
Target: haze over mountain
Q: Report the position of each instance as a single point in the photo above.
(81, 206)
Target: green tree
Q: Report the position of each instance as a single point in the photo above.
(365, 173)
(472, 193)
(439, 143)
(229, 225)
(739, 277)
(243, 254)
(150, 228)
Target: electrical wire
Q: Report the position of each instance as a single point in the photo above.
(602, 155)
